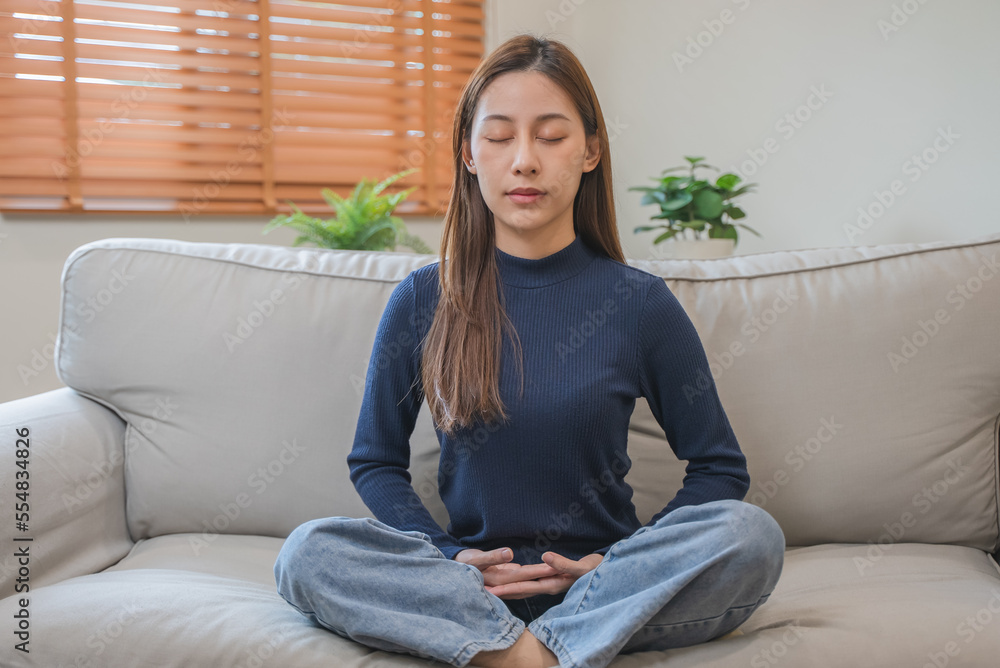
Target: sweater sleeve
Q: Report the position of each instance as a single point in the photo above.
(380, 457)
(675, 378)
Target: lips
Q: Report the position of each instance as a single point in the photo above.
(525, 195)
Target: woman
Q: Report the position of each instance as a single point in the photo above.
(537, 338)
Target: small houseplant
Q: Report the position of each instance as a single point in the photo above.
(364, 221)
(692, 206)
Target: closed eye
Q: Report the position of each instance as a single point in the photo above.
(500, 141)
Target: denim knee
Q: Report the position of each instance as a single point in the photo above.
(302, 545)
(760, 541)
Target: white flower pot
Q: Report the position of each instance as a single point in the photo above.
(696, 249)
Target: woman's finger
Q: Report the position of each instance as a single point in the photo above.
(549, 585)
(506, 573)
(564, 564)
(483, 560)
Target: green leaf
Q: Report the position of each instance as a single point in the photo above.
(647, 228)
(739, 191)
(749, 228)
(655, 197)
(735, 212)
(727, 181)
(708, 204)
(332, 198)
(679, 199)
(392, 179)
(663, 237)
(722, 232)
(693, 224)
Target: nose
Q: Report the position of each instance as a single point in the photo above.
(525, 157)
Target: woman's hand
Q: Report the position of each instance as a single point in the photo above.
(508, 580)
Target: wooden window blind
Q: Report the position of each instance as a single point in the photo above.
(228, 106)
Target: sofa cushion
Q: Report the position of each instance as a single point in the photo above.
(863, 383)
(167, 606)
(71, 495)
(239, 369)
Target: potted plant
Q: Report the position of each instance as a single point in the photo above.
(364, 221)
(693, 206)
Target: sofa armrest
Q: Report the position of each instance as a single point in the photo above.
(72, 499)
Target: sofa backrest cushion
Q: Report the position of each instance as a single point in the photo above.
(239, 370)
(863, 383)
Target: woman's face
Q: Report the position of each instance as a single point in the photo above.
(528, 134)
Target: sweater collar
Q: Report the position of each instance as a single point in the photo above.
(522, 272)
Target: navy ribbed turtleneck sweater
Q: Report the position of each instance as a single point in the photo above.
(596, 334)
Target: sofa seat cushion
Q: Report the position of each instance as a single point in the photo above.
(902, 604)
(174, 601)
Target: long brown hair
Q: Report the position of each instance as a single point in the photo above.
(461, 354)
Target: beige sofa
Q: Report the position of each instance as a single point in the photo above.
(212, 392)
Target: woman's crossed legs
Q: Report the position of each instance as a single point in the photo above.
(696, 574)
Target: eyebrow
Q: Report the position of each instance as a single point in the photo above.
(541, 117)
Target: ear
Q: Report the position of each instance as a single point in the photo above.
(467, 156)
(593, 156)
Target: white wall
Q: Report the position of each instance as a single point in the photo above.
(890, 95)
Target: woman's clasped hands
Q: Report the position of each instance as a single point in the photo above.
(505, 579)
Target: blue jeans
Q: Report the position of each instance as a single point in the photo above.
(694, 575)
